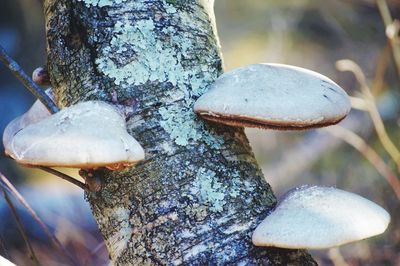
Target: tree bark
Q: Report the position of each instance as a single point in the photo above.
(199, 193)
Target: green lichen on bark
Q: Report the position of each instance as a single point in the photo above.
(200, 193)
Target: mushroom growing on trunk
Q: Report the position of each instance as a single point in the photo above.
(274, 96)
(36, 113)
(312, 217)
(86, 135)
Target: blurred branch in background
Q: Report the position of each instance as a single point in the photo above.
(28, 83)
(391, 149)
(392, 31)
(358, 103)
(309, 150)
(380, 69)
(9, 187)
(21, 228)
(369, 153)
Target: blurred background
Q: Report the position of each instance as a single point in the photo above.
(309, 33)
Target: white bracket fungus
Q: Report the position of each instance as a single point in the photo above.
(5, 262)
(36, 113)
(86, 135)
(274, 96)
(320, 217)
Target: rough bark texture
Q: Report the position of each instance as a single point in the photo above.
(199, 194)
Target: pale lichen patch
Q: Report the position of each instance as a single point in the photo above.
(186, 234)
(164, 62)
(209, 189)
(224, 219)
(161, 63)
(183, 127)
(168, 148)
(169, 8)
(101, 3)
(194, 251)
(238, 228)
(180, 125)
(244, 262)
(236, 186)
(159, 221)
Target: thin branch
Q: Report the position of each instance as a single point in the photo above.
(27, 81)
(21, 228)
(351, 66)
(348, 65)
(65, 177)
(390, 26)
(358, 103)
(369, 153)
(44, 227)
(381, 66)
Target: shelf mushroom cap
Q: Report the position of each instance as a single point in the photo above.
(86, 135)
(36, 113)
(274, 96)
(5, 262)
(320, 217)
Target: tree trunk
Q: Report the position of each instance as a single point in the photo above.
(199, 193)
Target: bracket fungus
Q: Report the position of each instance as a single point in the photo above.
(5, 262)
(86, 135)
(312, 217)
(274, 96)
(36, 113)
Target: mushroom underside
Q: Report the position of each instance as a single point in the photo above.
(112, 166)
(242, 121)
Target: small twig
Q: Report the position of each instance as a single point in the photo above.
(380, 70)
(358, 103)
(369, 153)
(27, 81)
(64, 176)
(348, 65)
(21, 228)
(393, 39)
(44, 227)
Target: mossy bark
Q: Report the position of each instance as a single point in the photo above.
(199, 193)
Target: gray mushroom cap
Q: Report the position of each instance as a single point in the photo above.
(5, 262)
(36, 113)
(320, 217)
(86, 135)
(274, 96)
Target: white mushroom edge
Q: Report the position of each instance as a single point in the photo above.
(274, 96)
(313, 217)
(89, 134)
